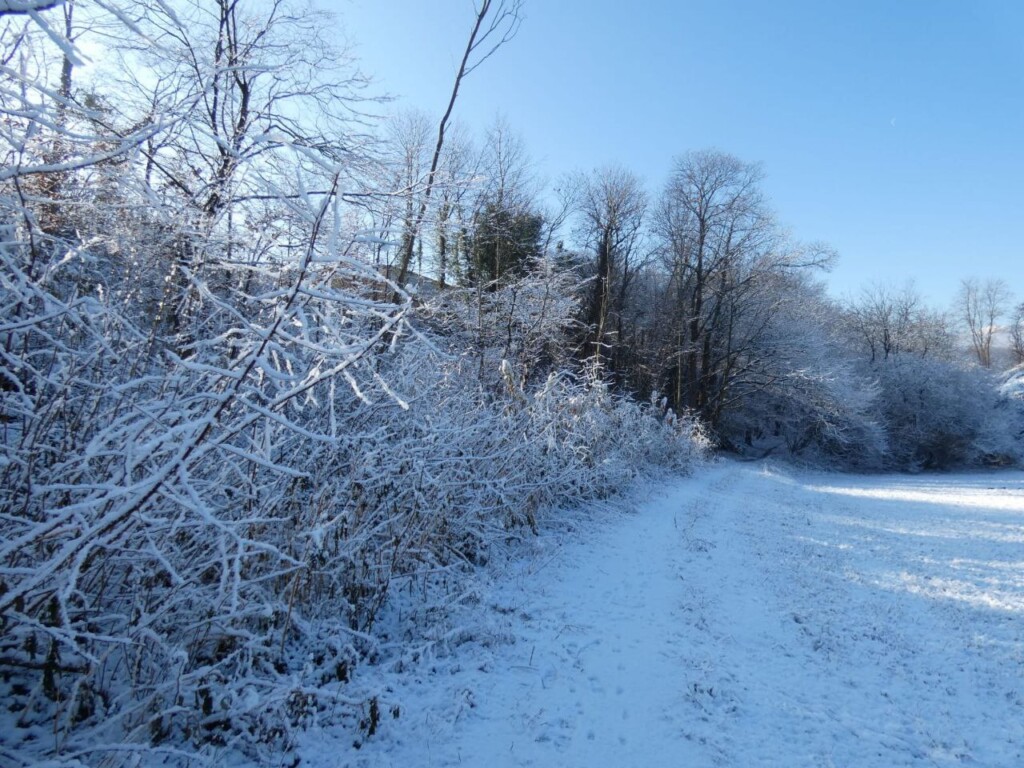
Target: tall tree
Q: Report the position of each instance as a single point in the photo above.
(612, 205)
(725, 256)
(496, 22)
(981, 304)
(1017, 335)
(409, 135)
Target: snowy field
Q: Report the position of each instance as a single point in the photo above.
(749, 616)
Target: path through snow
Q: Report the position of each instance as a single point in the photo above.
(743, 617)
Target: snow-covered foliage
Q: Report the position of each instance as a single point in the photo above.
(939, 414)
(802, 397)
(223, 444)
(881, 388)
(527, 321)
(1011, 417)
(1012, 385)
(204, 563)
(160, 499)
(229, 437)
(823, 416)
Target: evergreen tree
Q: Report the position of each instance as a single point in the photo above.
(504, 244)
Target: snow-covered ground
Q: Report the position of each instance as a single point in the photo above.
(748, 616)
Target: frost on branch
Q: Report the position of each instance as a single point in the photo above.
(224, 446)
(162, 499)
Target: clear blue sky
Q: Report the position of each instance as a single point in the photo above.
(893, 130)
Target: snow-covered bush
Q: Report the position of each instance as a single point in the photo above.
(1010, 412)
(802, 398)
(1012, 384)
(159, 499)
(200, 530)
(826, 417)
(939, 414)
(591, 443)
(462, 468)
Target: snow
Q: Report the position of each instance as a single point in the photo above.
(748, 616)
(1013, 383)
(27, 6)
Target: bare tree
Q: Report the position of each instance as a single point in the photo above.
(613, 204)
(981, 304)
(1017, 335)
(727, 264)
(712, 219)
(460, 162)
(889, 322)
(409, 134)
(232, 83)
(884, 318)
(496, 23)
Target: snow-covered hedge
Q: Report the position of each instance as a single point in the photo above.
(196, 542)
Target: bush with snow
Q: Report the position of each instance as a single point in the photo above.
(1012, 384)
(939, 414)
(195, 546)
(1011, 411)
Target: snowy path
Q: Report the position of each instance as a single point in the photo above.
(744, 618)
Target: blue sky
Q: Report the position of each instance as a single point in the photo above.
(892, 130)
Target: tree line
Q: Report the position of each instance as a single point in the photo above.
(697, 296)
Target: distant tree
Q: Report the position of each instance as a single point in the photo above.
(1017, 335)
(981, 305)
(885, 322)
(504, 243)
(506, 230)
(496, 22)
(935, 411)
(726, 262)
(612, 205)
